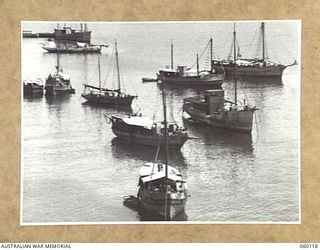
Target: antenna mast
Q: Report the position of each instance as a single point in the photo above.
(235, 63)
(171, 55)
(211, 55)
(263, 43)
(118, 70)
(99, 73)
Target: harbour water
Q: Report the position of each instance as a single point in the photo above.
(75, 170)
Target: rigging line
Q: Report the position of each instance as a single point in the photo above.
(255, 118)
(157, 154)
(109, 67)
(204, 50)
(254, 37)
(156, 105)
(171, 107)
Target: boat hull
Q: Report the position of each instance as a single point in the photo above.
(79, 36)
(251, 71)
(59, 90)
(32, 90)
(161, 206)
(208, 80)
(125, 100)
(73, 50)
(234, 120)
(174, 141)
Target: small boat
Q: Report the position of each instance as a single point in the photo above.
(184, 76)
(147, 79)
(212, 108)
(142, 130)
(58, 82)
(108, 97)
(29, 34)
(162, 190)
(33, 87)
(252, 67)
(54, 47)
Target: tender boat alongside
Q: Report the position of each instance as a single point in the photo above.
(33, 87)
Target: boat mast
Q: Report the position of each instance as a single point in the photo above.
(263, 43)
(211, 55)
(99, 73)
(118, 70)
(235, 63)
(171, 55)
(167, 208)
(58, 62)
(198, 76)
(165, 130)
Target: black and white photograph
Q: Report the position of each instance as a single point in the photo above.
(160, 122)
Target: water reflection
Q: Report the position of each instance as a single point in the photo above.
(143, 216)
(132, 203)
(122, 148)
(185, 90)
(32, 97)
(110, 109)
(255, 81)
(220, 137)
(57, 100)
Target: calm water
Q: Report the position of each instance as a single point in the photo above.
(76, 170)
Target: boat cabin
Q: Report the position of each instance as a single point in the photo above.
(212, 102)
(152, 178)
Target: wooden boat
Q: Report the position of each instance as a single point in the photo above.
(58, 82)
(256, 67)
(211, 108)
(147, 79)
(54, 47)
(108, 97)
(142, 130)
(33, 87)
(29, 34)
(162, 190)
(184, 76)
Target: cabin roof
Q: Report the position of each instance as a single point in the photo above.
(152, 171)
(141, 121)
(168, 70)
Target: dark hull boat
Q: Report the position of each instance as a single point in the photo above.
(141, 130)
(252, 67)
(177, 77)
(68, 40)
(211, 109)
(107, 97)
(58, 83)
(183, 76)
(32, 87)
(29, 34)
(66, 33)
(162, 191)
